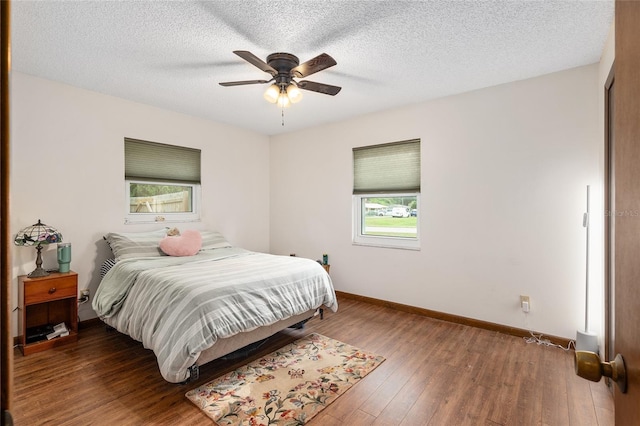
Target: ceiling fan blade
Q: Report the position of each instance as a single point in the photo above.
(254, 60)
(326, 89)
(319, 63)
(241, 83)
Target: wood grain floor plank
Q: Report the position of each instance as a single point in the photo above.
(530, 392)
(505, 383)
(426, 405)
(393, 404)
(406, 380)
(603, 403)
(554, 399)
(359, 418)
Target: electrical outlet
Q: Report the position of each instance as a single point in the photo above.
(84, 296)
(525, 303)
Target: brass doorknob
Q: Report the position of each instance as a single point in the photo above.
(588, 366)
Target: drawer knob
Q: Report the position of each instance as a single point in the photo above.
(52, 290)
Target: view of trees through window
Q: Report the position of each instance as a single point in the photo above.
(390, 216)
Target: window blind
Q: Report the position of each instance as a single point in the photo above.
(387, 168)
(154, 161)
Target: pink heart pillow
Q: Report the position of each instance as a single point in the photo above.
(186, 244)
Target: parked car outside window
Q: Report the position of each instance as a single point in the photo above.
(400, 212)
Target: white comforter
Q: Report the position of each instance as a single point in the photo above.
(180, 306)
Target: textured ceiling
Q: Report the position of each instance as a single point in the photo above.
(389, 53)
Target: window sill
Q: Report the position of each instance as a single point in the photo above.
(387, 243)
(161, 219)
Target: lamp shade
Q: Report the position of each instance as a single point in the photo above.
(271, 94)
(37, 235)
(294, 94)
(283, 100)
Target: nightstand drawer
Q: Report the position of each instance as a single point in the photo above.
(45, 290)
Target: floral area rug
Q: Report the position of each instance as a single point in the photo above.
(288, 386)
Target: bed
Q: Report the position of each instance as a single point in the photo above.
(192, 309)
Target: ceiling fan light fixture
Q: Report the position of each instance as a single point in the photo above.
(283, 100)
(284, 68)
(294, 94)
(272, 93)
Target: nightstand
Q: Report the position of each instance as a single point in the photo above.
(326, 267)
(45, 302)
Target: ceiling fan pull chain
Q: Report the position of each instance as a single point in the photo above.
(282, 116)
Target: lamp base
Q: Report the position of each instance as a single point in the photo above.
(586, 341)
(38, 272)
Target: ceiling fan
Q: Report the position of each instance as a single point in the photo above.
(284, 67)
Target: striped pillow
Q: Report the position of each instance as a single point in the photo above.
(136, 244)
(213, 240)
(106, 266)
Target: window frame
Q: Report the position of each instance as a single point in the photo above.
(360, 239)
(153, 217)
(154, 163)
(387, 170)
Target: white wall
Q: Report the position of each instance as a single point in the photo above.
(504, 175)
(67, 158)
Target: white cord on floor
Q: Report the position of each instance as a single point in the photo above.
(537, 338)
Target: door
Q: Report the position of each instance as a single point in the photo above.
(609, 219)
(626, 240)
(5, 264)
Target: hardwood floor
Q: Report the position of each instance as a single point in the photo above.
(435, 373)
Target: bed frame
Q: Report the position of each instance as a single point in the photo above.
(230, 344)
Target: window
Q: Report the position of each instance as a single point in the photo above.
(386, 195)
(162, 182)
